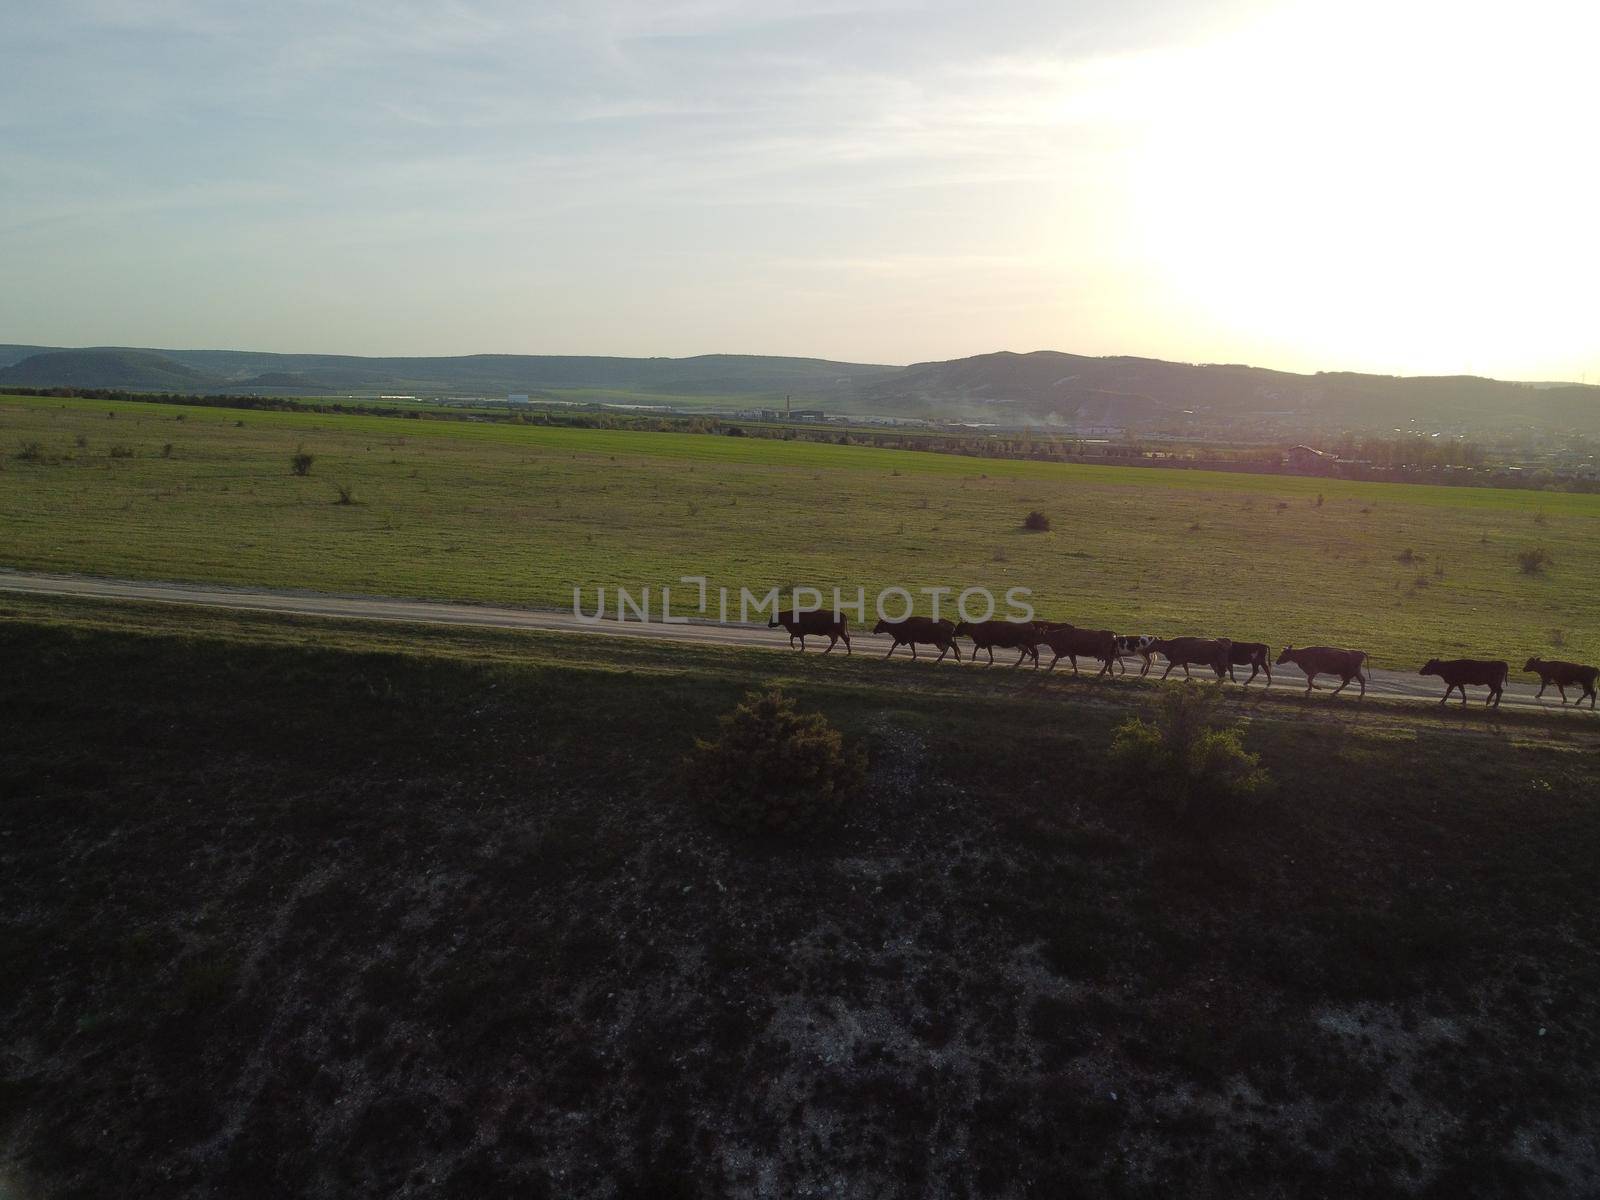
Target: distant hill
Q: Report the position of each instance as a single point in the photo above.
(1052, 388)
(812, 379)
(141, 370)
(1045, 388)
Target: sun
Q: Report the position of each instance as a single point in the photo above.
(1407, 187)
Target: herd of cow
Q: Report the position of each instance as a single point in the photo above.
(1222, 655)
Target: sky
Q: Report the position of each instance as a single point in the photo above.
(1406, 187)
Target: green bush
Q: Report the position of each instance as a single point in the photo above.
(1532, 562)
(773, 769)
(300, 462)
(1036, 522)
(1189, 762)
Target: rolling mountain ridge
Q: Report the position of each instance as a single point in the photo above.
(1043, 388)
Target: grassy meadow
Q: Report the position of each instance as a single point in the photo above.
(521, 514)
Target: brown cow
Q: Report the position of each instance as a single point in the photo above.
(1479, 672)
(1069, 640)
(814, 623)
(927, 630)
(1564, 675)
(1205, 652)
(1328, 660)
(1255, 655)
(1008, 635)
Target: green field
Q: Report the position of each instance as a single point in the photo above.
(522, 514)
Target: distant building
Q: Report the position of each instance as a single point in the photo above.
(517, 398)
(809, 414)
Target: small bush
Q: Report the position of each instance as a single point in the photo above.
(166, 450)
(1558, 638)
(1037, 522)
(1534, 561)
(774, 769)
(120, 451)
(1408, 556)
(300, 462)
(1188, 762)
(1195, 527)
(81, 442)
(31, 452)
(347, 494)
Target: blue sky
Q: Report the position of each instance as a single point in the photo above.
(1389, 187)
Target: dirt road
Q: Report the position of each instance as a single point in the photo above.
(1386, 683)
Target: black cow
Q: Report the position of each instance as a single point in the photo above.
(814, 623)
(1476, 672)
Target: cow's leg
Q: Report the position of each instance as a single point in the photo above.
(802, 643)
(1232, 678)
(956, 648)
(1022, 653)
(1362, 680)
(1562, 688)
(1053, 661)
(1105, 670)
(1543, 683)
(832, 642)
(893, 646)
(1311, 683)
(1186, 674)
(1254, 671)
(913, 647)
(990, 649)
(1344, 683)
(1074, 659)
(1147, 661)
(1266, 667)
(845, 635)
(1168, 671)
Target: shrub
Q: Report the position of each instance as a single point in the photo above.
(773, 769)
(31, 452)
(1558, 638)
(1533, 561)
(1188, 762)
(1036, 521)
(347, 494)
(120, 451)
(166, 450)
(300, 462)
(81, 442)
(1408, 556)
